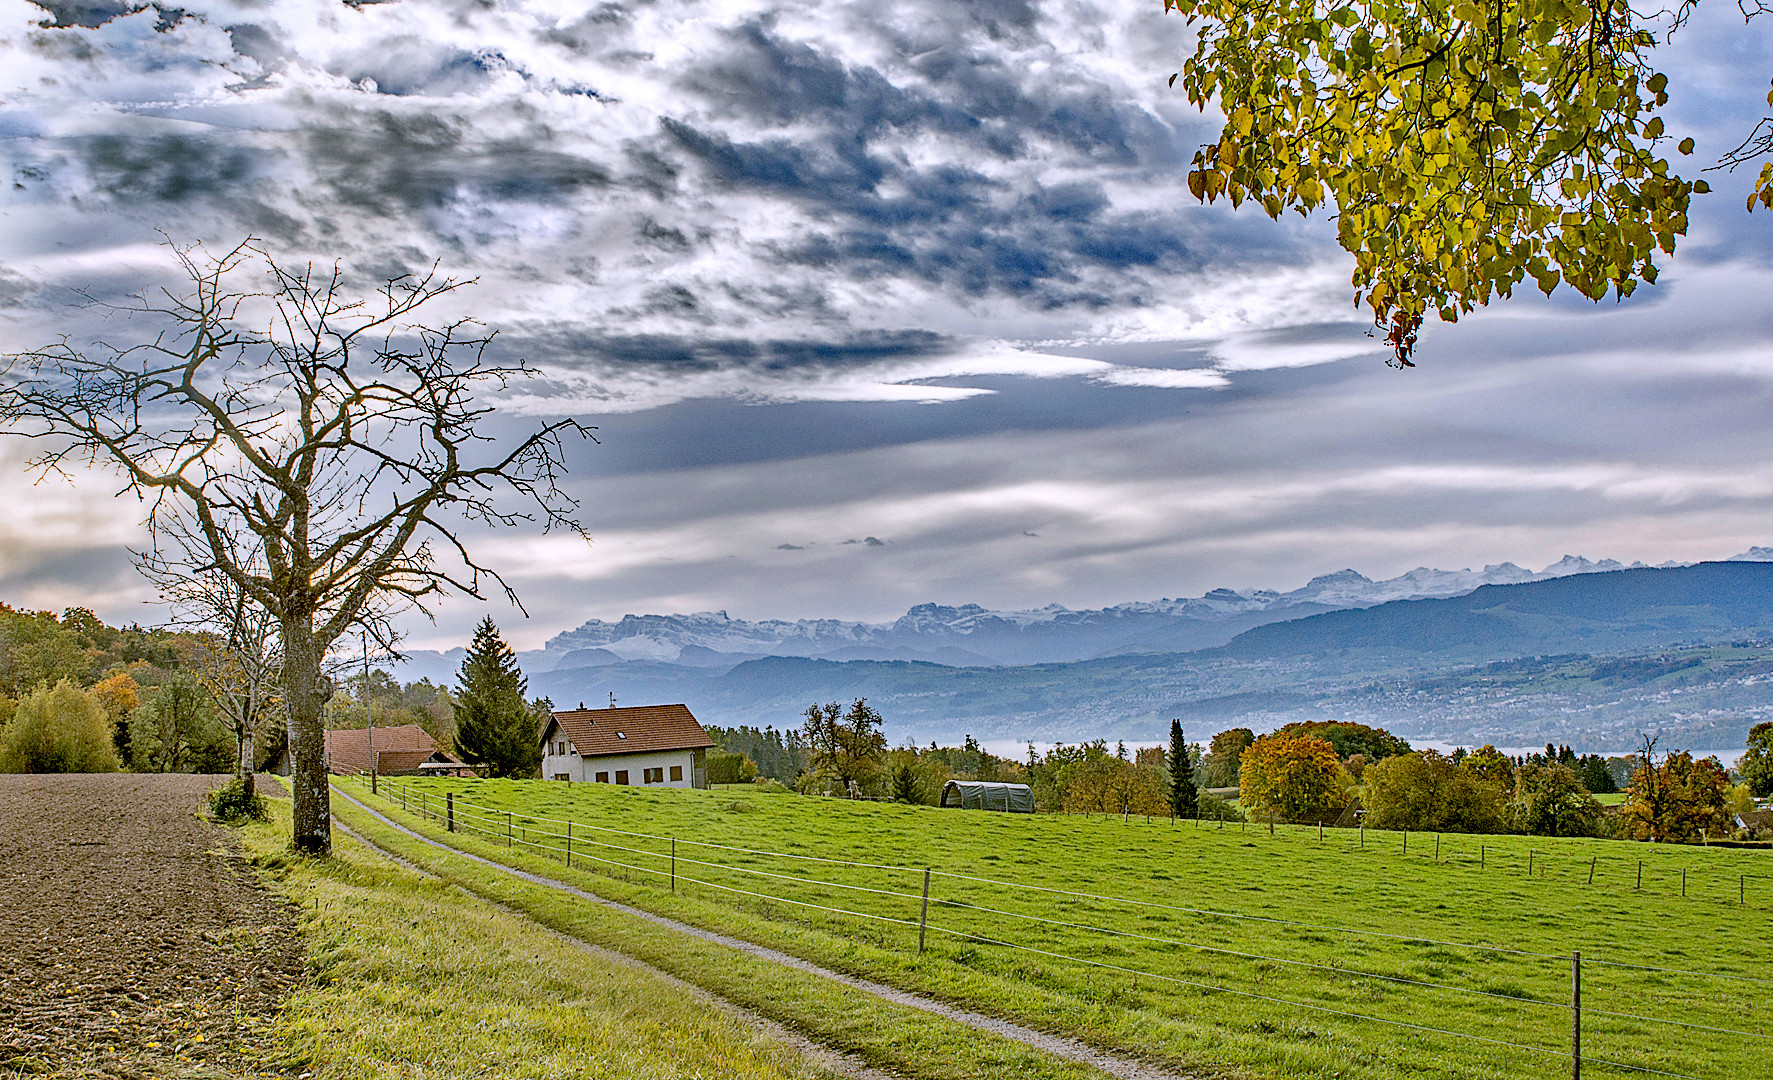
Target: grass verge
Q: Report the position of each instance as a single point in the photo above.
(413, 979)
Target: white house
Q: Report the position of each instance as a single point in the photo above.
(646, 746)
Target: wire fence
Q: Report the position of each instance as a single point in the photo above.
(1468, 850)
(1512, 990)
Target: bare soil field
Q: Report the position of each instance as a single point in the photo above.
(133, 940)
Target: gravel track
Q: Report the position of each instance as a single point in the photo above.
(136, 942)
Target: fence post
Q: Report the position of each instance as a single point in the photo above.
(1741, 889)
(674, 864)
(569, 843)
(1320, 829)
(1576, 1016)
(923, 918)
(1482, 851)
(1363, 834)
(1591, 862)
(507, 828)
(1683, 883)
(1529, 862)
(1640, 883)
(1406, 841)
(1437, 847)
(450, 801)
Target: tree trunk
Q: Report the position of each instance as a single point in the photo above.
(303, 699)
(243, 766)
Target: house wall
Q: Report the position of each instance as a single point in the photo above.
(585, 770)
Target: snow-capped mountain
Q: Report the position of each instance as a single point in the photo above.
(969, 634)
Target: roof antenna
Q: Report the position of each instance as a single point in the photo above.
(612, 699)
(581, 706)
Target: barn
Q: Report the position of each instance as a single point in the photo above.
(638, 746)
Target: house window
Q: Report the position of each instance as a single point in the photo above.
(568, 777)
(653, 776)
(622, 777)
(677, 772)
(603, 778)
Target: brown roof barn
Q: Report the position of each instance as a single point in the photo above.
(401, 750)
(630, 730)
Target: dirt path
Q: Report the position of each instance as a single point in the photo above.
(1057, 1045)
(133, 943)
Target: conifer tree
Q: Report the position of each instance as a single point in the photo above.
(497, 732)
(1184, 798)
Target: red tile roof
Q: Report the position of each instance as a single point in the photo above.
(347, 750)
(637, 730)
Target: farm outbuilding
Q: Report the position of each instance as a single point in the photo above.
(983, 795)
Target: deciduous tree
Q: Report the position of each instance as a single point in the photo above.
(176, 728)
(1292, 778)
(1462, 148)
(1425, 791)
(279, 415)
(1756, 765)
(845, 746)
(1675, 799)
(1219, 766)
(1550, 800)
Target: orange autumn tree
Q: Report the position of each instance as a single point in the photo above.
(1676, 799)
(1292, 778)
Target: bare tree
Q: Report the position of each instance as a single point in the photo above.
(323, 449)
(237, 660)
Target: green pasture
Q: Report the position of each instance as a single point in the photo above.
(1219, 948)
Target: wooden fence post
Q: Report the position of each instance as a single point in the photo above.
(569, 843)
(1683, 883)
(507, 828)
(674, 864)
(1529, 862)
(450, 800)
(1482, 851)
(1576, 1016)
(1591, 862)
(923, 918)
(1406, 841)
(1640, 883)
(1437, 847)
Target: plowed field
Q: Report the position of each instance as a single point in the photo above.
(132, 941)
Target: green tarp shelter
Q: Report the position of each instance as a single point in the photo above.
(980, 795)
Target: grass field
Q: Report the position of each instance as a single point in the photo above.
(1233, 983)
(412, 978)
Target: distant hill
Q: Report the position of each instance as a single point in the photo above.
(968, 635)
(1612, 612)
(1588, 660)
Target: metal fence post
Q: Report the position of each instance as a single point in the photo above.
(449, 798)
(923, 918)
(1576, 1016)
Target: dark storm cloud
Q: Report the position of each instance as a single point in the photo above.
(700, 354)
(167, 168)
(90, 13)
(386, 162)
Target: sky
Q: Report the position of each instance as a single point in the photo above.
(872, 305)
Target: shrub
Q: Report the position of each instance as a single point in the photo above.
(231, 805)
(771, 785)
(57, 730)
(726, 767)
(1213, 808)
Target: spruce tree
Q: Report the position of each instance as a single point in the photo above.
(1184, 799)
(497, 732)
